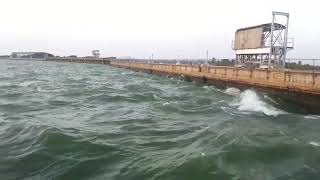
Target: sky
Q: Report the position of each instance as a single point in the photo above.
(139, 28)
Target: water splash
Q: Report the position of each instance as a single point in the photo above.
(169, 102)
(312, 117)
(232, 91)
(250, 101)
(166, 103)
(314, 143)
(28, 83)
(39, 88)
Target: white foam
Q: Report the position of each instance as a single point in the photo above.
(166, 103)
(5, 84)
(311, 117)
(232, 91)
(39, 89)
(250, 101)
(314, 143)
(156, 97)
(27, 83)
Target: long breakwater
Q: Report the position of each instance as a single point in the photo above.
(304, 82)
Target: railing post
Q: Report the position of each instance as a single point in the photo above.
(313, 72)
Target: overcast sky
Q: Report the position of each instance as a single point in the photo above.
(138, 28)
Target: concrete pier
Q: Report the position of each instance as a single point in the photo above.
(81, 60)
(304, 82)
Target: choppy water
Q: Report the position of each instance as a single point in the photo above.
(83, 121)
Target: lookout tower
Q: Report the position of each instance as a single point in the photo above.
(264, 45)
(96, 53)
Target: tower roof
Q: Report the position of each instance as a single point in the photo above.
(265, 27)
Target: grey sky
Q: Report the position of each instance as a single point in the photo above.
(138, 28)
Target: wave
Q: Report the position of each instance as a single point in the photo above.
(28, 83)
(312, 117)
(232, 91)
(314, 143)
(250, 101)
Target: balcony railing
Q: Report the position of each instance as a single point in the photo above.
(290, 44)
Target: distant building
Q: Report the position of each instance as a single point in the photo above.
(4, 56)
(30, 55)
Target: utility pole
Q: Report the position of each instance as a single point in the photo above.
(207, 57)
(271, 40)
(285, 43)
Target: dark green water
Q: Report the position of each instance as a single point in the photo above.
(83, 121)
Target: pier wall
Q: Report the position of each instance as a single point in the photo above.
(305, 82)
(81, 60)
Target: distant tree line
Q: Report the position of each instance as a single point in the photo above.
(4, 56)
(289, 65)
(300, 66)
(222, 62)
